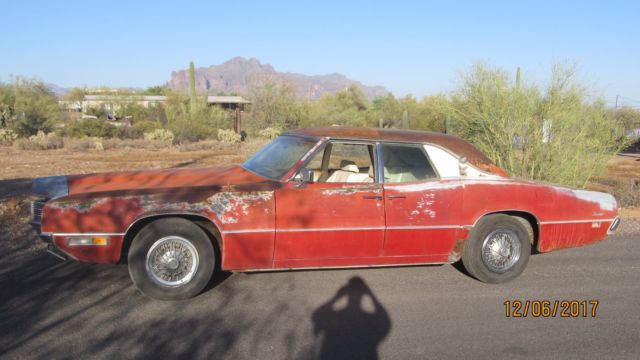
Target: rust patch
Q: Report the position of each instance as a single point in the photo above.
(81, 206)
(351, 190)
(458, 250)
(229, 206)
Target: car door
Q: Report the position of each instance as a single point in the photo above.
(421, 209)
(336, 220)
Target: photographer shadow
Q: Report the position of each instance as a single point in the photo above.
(353, 330)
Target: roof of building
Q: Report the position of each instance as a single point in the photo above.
(454, 144)
(210, 99)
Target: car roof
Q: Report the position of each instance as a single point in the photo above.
(452, 143)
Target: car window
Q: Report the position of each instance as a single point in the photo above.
(402, 163)
(277, 158)
(346, 163)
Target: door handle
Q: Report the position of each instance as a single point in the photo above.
(391, 197)
(372, 197)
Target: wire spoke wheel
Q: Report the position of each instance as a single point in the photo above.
(172, 261)
(500, 250)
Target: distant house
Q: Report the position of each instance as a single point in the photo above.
(633, 133)
(110, 103)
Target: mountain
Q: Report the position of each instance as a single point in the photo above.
(238, 75)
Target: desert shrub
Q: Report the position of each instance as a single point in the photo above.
(146, 126)
(273, 104)
(162, 135)
(193, 120)
(133, 144)
(7, 137)
(98, 112)
(81, 144)
(214, 145)
(555, 134)
(91, 128)
(28, 106)
(228, 136)
(40, 141)
(269, 133)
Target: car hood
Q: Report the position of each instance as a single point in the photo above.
(177, 178)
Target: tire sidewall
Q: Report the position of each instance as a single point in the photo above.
(155, 231)
(472, 257)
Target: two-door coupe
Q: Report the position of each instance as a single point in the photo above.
(317, 198)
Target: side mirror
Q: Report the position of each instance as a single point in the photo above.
(462, 163)
(304, 176)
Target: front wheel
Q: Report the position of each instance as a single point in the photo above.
(497, 250)
(171, 259)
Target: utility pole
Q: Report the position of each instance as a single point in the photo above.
(617, 97)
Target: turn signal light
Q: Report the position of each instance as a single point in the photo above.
(88, 241)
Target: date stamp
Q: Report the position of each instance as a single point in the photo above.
(551, 308)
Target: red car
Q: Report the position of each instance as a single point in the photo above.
(318, 198)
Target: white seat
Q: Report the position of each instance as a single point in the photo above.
(348, 173)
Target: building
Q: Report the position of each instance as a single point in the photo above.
(110, 104)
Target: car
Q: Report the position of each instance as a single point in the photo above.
(321, 197)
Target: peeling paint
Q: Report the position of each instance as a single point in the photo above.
(227, 206)
(423, 205)
(80, 206)
(605, 201)
(458, 249)
(350, 191)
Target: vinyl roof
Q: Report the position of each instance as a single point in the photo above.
(454, 144)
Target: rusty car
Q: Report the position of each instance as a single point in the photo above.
(322, 197)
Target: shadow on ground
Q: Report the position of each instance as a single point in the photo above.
(55, 309)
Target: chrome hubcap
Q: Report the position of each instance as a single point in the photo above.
(500, 250)
(172, 261)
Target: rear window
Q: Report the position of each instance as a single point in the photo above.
(402, 163)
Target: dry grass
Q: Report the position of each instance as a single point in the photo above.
(622, 180)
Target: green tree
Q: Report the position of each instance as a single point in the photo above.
(28, 106)
(273, 104)
(347, 107)
(559, 135)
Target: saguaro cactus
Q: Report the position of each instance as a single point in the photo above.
(405, 119)
(192, 89)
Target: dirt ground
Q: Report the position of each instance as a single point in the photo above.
(18, 164)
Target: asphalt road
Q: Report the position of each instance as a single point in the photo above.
(52, 309)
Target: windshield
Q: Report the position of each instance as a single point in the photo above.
(277, 158)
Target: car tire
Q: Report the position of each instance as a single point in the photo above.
(171, 259)
(497, 250)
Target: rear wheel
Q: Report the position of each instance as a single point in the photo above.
(171, 259)
(497, 250)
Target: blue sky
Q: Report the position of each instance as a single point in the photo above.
(409, 47)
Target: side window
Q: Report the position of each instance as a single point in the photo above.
(343, 162)
(403, 163)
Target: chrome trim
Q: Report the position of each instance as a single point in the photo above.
(426, 227)
(244, 231)
(248, 231)
(332, 229)
(504, 211)
(167, 214)
(614, 226)
(87, 234)
(380, 172)
(574, 221)
(54, 252)
(341, 267)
